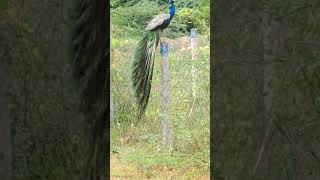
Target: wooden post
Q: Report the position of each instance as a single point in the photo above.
(164, 50)
(111, 105)
(194, 52)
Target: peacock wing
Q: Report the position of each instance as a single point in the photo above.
(157, 21)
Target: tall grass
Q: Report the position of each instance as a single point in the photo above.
(138, 142)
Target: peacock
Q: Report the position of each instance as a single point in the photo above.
(144, 54)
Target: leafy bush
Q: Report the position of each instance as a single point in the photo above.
(132, 20)
(130, 17)
(197, 17)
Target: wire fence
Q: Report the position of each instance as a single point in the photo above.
(180, 79)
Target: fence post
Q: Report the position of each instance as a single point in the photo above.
(111, 105)
(194, 56)
(164, 50)
(194, 52)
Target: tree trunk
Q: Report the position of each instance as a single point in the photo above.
(267, 92)
(273, 45)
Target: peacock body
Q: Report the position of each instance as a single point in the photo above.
(143, 59)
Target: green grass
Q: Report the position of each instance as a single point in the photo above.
(138, 143)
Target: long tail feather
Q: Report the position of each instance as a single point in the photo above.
(142, 68)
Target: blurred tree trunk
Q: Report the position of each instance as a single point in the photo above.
(43, 112)
(272, 45)
(265, 80)
(268, 59)
(5, 138)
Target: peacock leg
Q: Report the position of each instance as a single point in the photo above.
(160, 32)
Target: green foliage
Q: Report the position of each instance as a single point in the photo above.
(131, 20)
(198, 16)
(130, 17)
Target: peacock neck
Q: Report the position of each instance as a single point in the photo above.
(172, 11)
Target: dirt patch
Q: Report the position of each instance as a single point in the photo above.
(120, 170)
(180, 42)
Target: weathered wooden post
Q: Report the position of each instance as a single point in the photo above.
(194, 52)
(164, 50)
(111, 105)
(194, 56)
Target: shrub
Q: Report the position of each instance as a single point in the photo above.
(130, 17)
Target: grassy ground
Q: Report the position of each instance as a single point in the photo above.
(136, 150)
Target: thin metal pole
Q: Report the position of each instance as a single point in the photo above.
(164, 50)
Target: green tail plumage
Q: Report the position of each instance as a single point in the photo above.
(142, 68)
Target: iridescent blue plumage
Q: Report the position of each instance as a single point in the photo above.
(143, 60)
(161, 21)
(167, 20)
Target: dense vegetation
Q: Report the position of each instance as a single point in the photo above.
(129, 18)
(137, 143)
